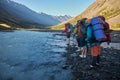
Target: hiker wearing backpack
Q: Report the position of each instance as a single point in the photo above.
(93, 44)
(95, 36)
(83, 43)
(68, 31)
(75, 33)
(81, 35)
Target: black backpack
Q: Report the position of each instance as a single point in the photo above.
(83, 27)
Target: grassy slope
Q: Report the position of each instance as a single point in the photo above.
(108, 8)
(4, 26)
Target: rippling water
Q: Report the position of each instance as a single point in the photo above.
(29, 55)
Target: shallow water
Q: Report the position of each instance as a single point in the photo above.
(29, 55)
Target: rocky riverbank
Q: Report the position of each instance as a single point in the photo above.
(115, 36)
(109, 68)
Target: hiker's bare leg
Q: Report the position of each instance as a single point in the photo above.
(79, 48)
(85, 51)
(68, 40)
(82, 52)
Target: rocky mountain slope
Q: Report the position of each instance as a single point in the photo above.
(18, 15)
(110, 9)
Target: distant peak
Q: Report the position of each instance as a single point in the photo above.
(41, 13)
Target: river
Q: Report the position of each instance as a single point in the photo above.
(30, 55)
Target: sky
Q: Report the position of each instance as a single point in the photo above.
(57, 7)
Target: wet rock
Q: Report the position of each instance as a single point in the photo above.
(108, 65)
(73, 55)
(10, 78)
(65, 66)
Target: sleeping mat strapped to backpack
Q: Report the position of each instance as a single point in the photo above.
(98, 29)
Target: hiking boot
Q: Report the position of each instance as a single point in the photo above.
(84, 56)
(97, 64)
(78, 50)
(94, 60)
(81, 56)
(75, 46)
(65, 66)
(98, 59)
(67, 44)
(91, 67)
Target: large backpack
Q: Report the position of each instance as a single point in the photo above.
(89, 33)
(90, 37)
(98, 29)
(69, 27)
(82, 27)
(106, 29)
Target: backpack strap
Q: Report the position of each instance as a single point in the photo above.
(79, 31)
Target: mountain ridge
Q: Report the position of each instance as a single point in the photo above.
(18, 15)
(110, 9)
(60, 18)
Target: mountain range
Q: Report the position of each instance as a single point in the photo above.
(110, 9)
(63, 18)
(60, 18)
(20, 16)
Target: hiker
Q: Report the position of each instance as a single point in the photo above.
(83, 42)
(95, 36)
(68, 30)
(93, 44)
(75, 33)
(80, 36)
